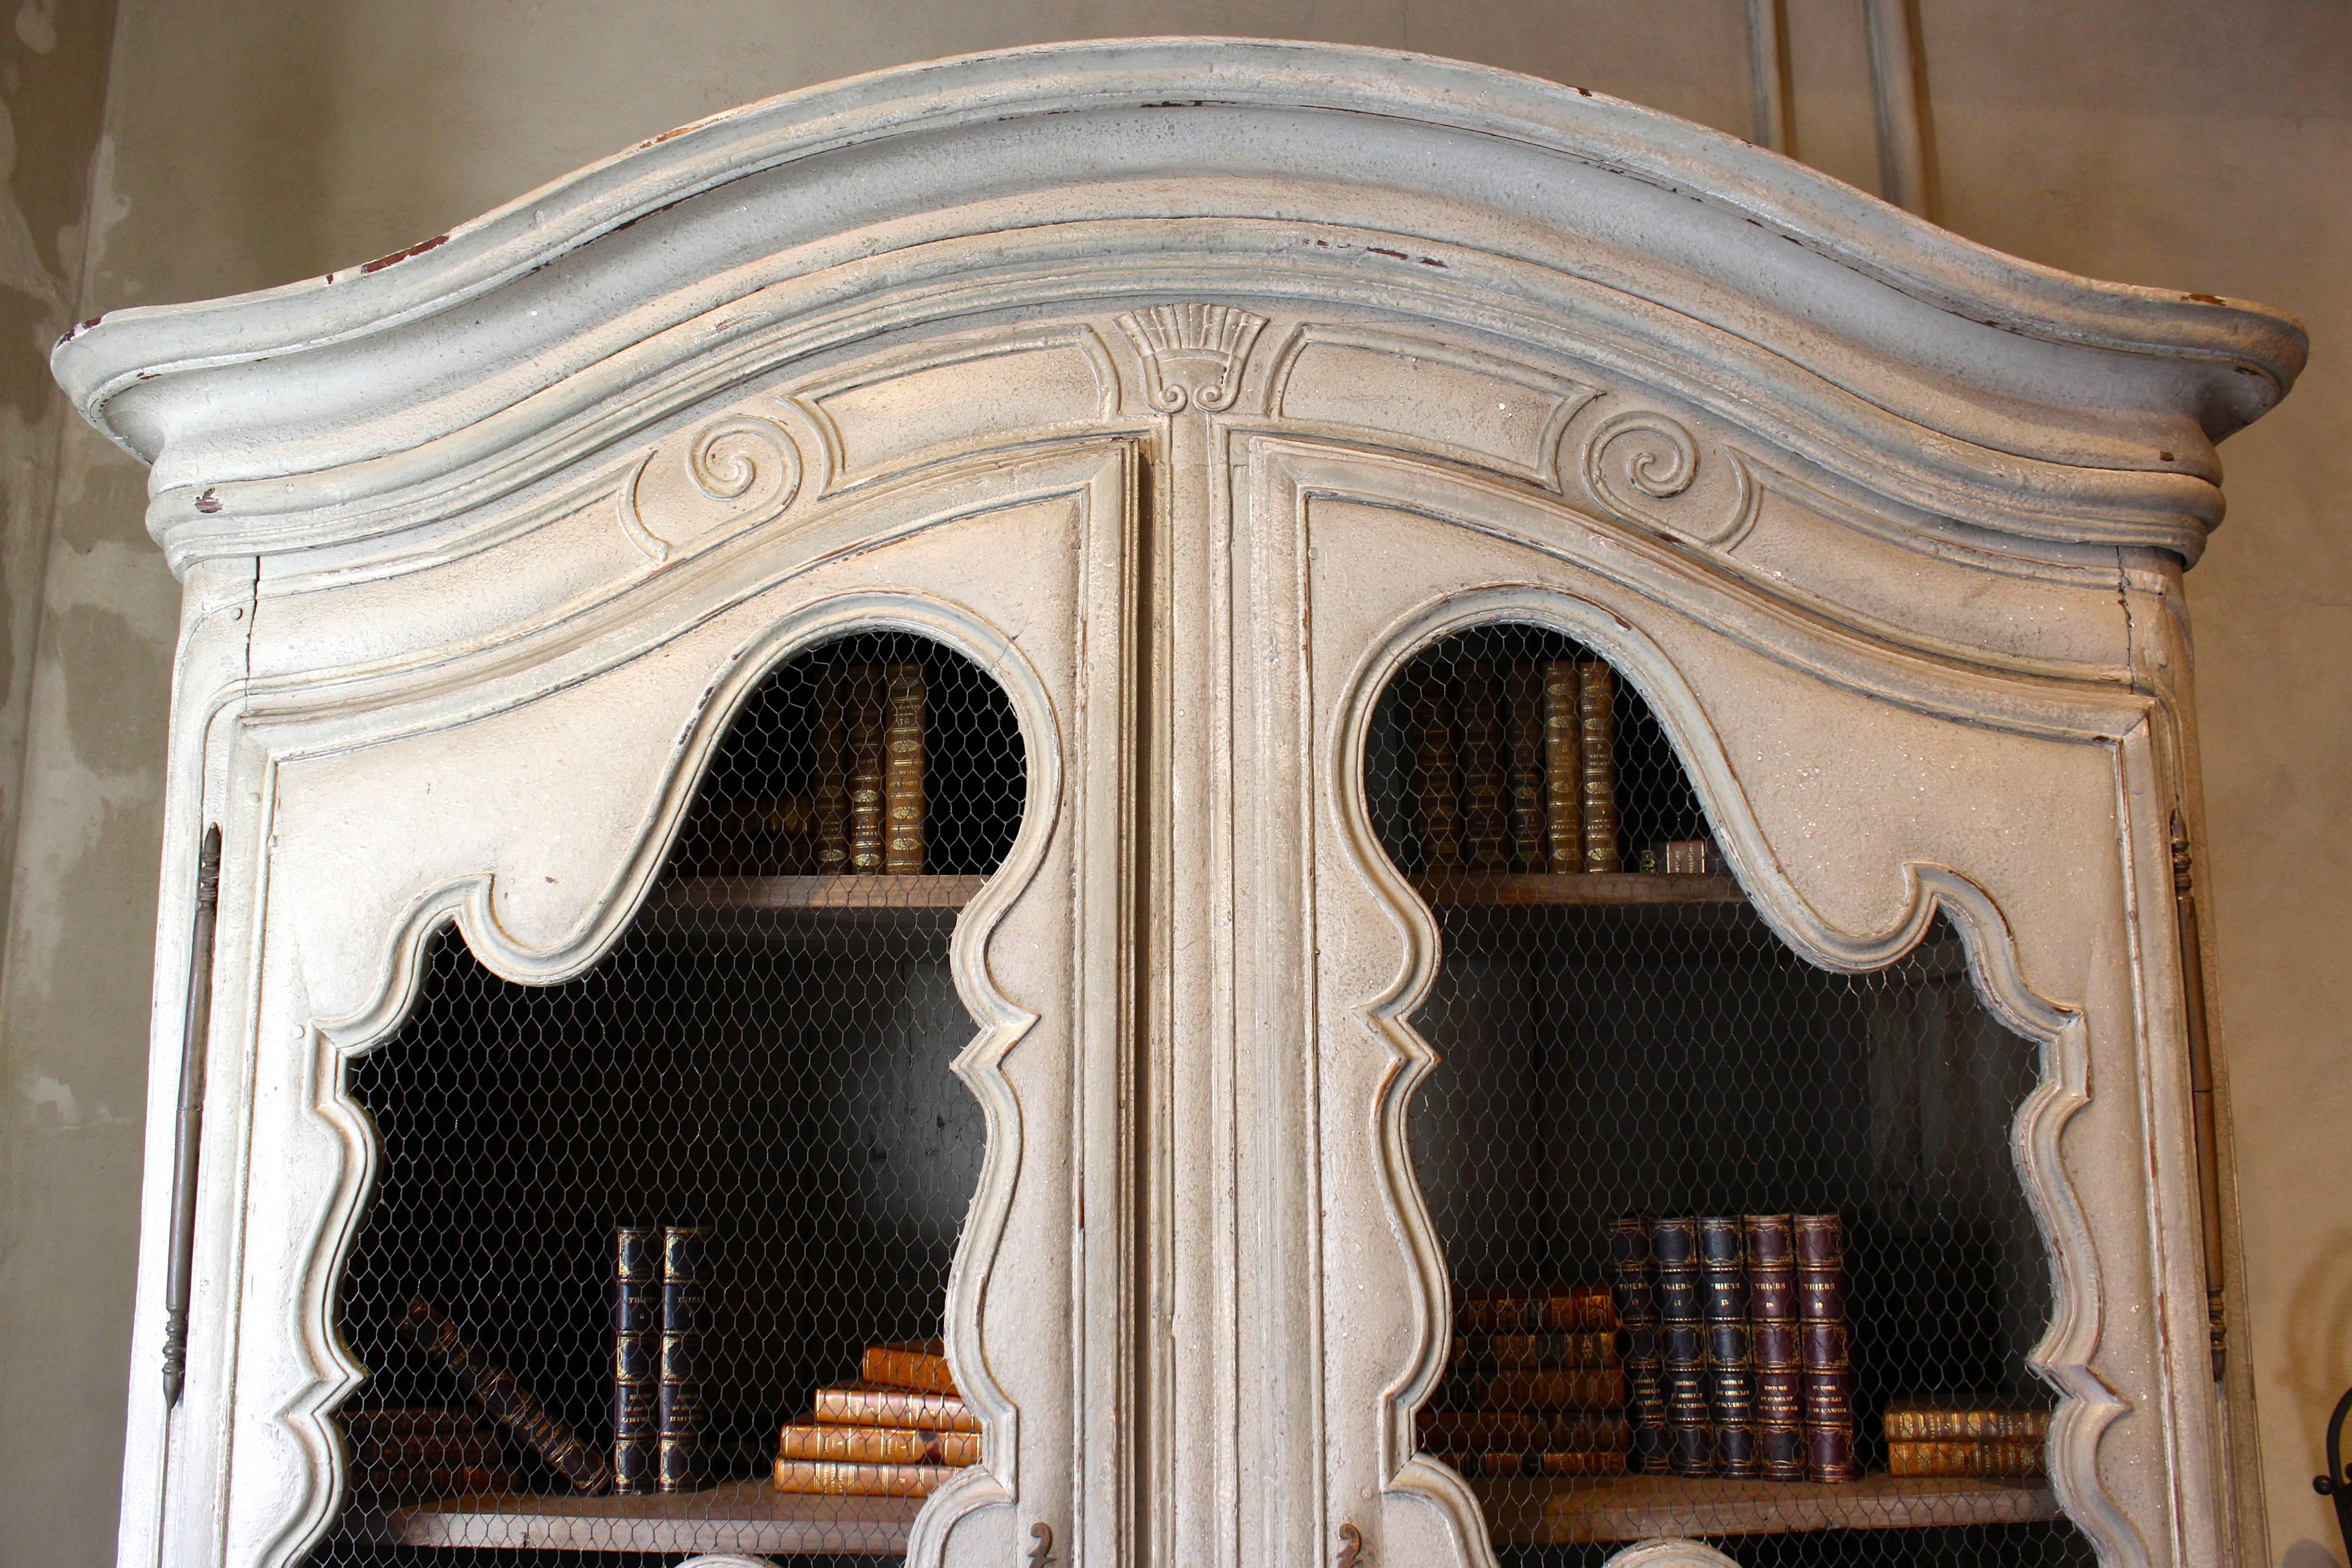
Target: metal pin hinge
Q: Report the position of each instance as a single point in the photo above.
(2201, 1091)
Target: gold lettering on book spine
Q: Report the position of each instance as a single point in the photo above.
(1597, 711)
(866, 724)
(1525, 734)
(830, 788)
(1563, 769)
(903, 773)
(1486, 808)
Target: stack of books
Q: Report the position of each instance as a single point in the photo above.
(1949, 1435)
(900, 1430)
(1735, 1344)
(421, 1455)
(1534, 1386)
(867, 808)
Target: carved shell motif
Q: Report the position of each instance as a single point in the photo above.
(1193, 353)
(1647, 469)
(748, 464)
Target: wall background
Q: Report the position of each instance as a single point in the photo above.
(152, 151)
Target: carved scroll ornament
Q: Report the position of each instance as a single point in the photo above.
(1193, 353)
(1647, 469)
(748, 464)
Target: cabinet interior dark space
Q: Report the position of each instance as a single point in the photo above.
(1649, 1046)
(764, 1056)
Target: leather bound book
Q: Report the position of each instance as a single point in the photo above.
(1512, 1463)
(1963, 1418)
(1549, 1391)
(831, 1477)
(1596, 704)
(1534, 1309)
(1639, 1346)
(1485, 795)
(1772, 1337)
(1485, 1355)
(393, 1440)
(829, 786)
(872, 1405)
(678, 1433)
(1523, 699)
(903, 772)
(1985, 1457)
(1823, 1345)
(1730, 1361)
(923, 1364)
(1682, 1343)
(1433, 755)
(636, 1356)
(878, 1445)
(507, 1402)
(1563, 770)
(867, 720)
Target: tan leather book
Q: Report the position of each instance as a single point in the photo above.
(1535, 1309)
(904, 771)
(1497, 1466)
(1944, 1418)
(1597, 711)
(1994, 1456)
(868, 719)
(1486, 1355)
(875, 1404)
(1550, 1391)
(831, 1479)
(1491, 1431)
(920, 1364)
(878, 1445)
(506, 1401)
(1563, 769)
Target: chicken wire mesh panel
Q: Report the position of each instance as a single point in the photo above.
(1738, 1247)
(656, 1259)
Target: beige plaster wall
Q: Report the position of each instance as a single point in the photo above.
(250, 142)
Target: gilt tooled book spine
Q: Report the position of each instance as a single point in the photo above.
(1730, 1357)
(1682, 1333)
(1523, 697)
(829, 786)
(923, 1364)
(878, 1445)
(870, 1405)
(507, 1402)
(1486, 791)
(1484, 1355)
(1931, 1419)
(1434, 754)
(1639, 1338)
(831, 1477)
(1534, 1309)
(868, 719)
(1772, 1336)
(1825, 1349)
(1511, 1462)
(1986, 1457)
(1563, 770)
(904, 769)
(1596, 704)
(678, 1436)
(636, 1356)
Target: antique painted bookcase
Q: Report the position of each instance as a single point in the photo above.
(956, 684)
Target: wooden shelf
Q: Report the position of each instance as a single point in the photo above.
(1536, 888)
(1636, 1508)
(738, 1516)
(700, 894)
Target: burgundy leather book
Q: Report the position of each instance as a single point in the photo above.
(1730, 1364)
(1635, 1287)
(1682, 1333)
(1825, 1347)
(1772, 1336)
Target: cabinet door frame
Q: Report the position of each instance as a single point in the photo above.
(250, 1468)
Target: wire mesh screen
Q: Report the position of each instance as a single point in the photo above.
(656, 1259)
(1738, 1247)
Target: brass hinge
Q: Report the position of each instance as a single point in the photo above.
(2201, 1090)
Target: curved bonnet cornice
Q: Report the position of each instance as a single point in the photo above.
(2018, 405)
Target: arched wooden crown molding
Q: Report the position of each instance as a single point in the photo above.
(1968, 389)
